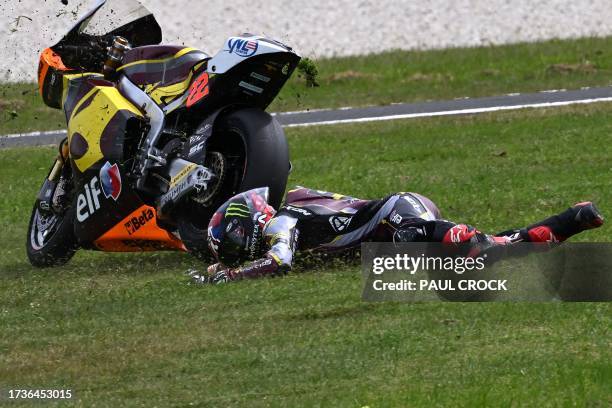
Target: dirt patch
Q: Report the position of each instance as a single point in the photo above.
(581, 68)
(490, 72)
(11, 104)
(350, 75)
(429, 77)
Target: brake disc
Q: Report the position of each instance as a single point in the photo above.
(217, 164)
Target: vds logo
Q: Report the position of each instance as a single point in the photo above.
(88, 202)
(241, 47)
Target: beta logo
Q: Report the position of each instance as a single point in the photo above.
(242, 48)
(135, 223)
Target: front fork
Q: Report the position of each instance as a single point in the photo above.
(53, 191)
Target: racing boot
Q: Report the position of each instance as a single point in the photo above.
(581, 217)
(588, 216)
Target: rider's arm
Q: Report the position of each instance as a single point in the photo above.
(281, 237)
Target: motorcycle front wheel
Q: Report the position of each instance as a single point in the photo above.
(51, 240)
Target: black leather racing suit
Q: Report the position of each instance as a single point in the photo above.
(323, 221)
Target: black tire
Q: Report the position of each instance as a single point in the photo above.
(266, 163)
(58, 245)
(267, 153)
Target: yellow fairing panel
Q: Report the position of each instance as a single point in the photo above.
(165, 94)
(91, 116)
(75, 77)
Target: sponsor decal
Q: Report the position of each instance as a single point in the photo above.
(250, 87)
(339, 223)
(135, 223)
(174, 192)
(516, 237)
(200, 134)
(198, 90)
(237, 210)
(182, 174)
(110, 178)
(260, 221)
(417, 206)
(195, 149)
(395, 217)
(88, 202)
(285, 69)
(241, 47)
(213, 243)
(298, 210)
(459, 233)
(262, 78)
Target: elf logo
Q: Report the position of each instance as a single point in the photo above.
(88, 202)
(108, 185)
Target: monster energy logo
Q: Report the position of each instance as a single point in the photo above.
(237, 210)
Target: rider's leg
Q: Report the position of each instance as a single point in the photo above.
(558, 228)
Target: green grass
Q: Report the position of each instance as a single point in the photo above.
(397, 76)
(125, 330)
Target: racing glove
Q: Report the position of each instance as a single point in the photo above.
(199, 278)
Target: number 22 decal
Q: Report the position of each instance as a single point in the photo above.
(198, 89)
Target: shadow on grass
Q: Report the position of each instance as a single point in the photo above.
(335, 312)
(90, 263)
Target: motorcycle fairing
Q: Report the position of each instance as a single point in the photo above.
(138, 231)
(238, 49)
(75, 87)
(164, 72)
(97, 123)
(113, 217)
(51, 73)
(254, 83)
(195, 147)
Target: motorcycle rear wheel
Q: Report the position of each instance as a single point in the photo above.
(256, 144)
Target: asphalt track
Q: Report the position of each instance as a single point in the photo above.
(544, 99)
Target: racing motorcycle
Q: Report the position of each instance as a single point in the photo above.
(158, 135)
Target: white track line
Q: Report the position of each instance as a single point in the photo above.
(389, 117)
(452, 112)
(35, 134)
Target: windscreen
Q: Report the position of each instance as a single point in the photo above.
(113, 15)
(127, 18)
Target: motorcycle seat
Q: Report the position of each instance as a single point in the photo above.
(160, 65)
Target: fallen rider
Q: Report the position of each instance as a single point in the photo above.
(249, 239)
